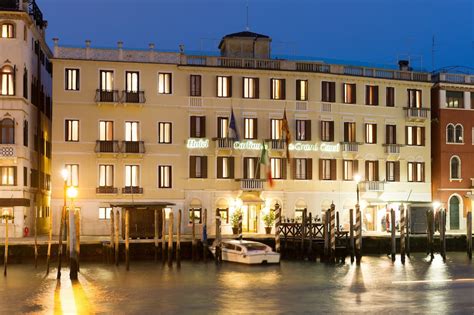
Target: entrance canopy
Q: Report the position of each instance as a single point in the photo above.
(141, 205)
(251, 197)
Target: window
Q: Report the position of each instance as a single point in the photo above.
(132, 81)
(250, 128)
(390, 94)
(327, 169)
(164, 132)
(349, 168)
(164, 83)
(278, 168)
(393, 171)
(415, 135)
(416, 171)
(71, 130)
(301, 90)
(195, 85)
(7, 131)
(72, 174)
(164, 176)
(276, 132)
(198, 126)
(455, 99)
(302, 168)
(104, 213)
(472, 100)
(303, 130)
(106, 80)
(25, 176)
(350, 132)
(196, 212)
(251, 168)
(371, 95)
(250, 88)
(224, 214)
(414, 98)
(222, 127)
(372, 171)
(455, 168)
(72, 79)
(327, 131)
(277, 89)
(472, 135)
(25, 83)
(370, 133)
(458, 134)
(106, 130)
(7, 81)
(8, 174)
(224, 86)
(328, 90)
(131, 130)
(106, 175)
(132, 173)
(349, 96)
(225, 167)
(450, 133)
(390, 134)
(198, 167)
(8, 30)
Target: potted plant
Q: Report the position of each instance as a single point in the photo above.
(235, 221)
(269, 220)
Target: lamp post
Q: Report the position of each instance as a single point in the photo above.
(73, 251)
(65, 175)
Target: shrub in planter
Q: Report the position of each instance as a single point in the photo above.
(235, 220)
(269, 220)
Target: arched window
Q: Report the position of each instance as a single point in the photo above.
(8, 30)
(450, 133)
(7, 81)
(25, 133)
(454, 203)
(455, 167)
(7, 131)
(458, 137)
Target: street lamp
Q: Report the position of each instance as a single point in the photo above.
(357, 179)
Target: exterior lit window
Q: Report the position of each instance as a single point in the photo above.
(132, 81)
(106, 175)
(277, 89)
(225, 167)
(197, 215)
(328, 91)
(303, 130)
(454, 133)
(164, 132)
(224, 86)
(132, 173)
(164, 83)
(7, 81)
(250, 128)
(416, 171)
(372, 171)
(278, 168)
(250, 87)
(371, 95)
(455, 99)
(224, 214)
(370, 133)
(414, 98)
(164, 176)
(131, 130)
(7, 131)
(415, 135)
(198, 126)
(350, 167)
(195, 85)
(301, 90)
(276, 131)
(72, 79)
(73, 174)
(8, 30)
(327, 131)
(350, 132)
(106, 80)
(104, 213)
(392, 171)
(222, 127)
(251, 168)
(8, 175)
(327, 169)
(349, 91)
(303, 168)
(198, 167)
(72, 130)
(455, 167)
(106, 130)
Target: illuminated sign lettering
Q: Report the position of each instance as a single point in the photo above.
(197, 143)
(248, 145)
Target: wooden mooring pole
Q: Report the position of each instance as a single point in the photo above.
(442, 233)
(72, 246)
(430, 232)
(77, 214)
(303, 233)
(110, 253)
(157, 228)
(218, 253)
(325, 215)
(205, 246)
(351, 234)
(193, 232)
(358, 231)
(240, 228)
(170, 239)
(393, 234)
(36, 237)
(178, 239)
(5, 257)
(333, 234)
(117, 244)
(469, 234)
(60, 241)
(277, 227)
(310, 236)
(50, 238)
(402, 233)
(127, 239)
(408, 229)
(163, 236)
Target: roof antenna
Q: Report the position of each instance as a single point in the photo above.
(247, 28)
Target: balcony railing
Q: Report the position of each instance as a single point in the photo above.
(350, 146)
(277, 144)
(133, 97)
(7, 150)
(106, 96)
(224, 143)
(133, 147)
(132, 190)
(106, 146)
(391, 148)
(251, 184)
(417, 112)
(373, 186)
(106, 190)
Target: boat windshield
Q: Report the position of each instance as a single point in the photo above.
(254, 246)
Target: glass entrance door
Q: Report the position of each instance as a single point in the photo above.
(250, 214)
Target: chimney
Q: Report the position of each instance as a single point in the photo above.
(151, 55)
(88, 48)
(404, 65)
(120, 49)
(56, 47)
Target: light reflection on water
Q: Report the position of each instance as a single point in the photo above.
(378, 285)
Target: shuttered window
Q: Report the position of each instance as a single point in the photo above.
(414, 98)
(327, 169)
(370, 133)
(371, 95)
(225, 167)
(392, 171)
(372, 171)
(250, 128)
(164, 176)
(195, 85)
(301, 90)
(198, 126)
(390, 96)
(250, 88)
(278, 168)
(278, 89)
(349, 93)
(349, 169)
(328, 91)
(350, 132)
(198, 166)
(72, 79)
(415, 135)
(303, 130)
(391, 134)
(416, 171)
(222, 127)
(164, 83)
(224, 86)
(251, 168)
(71, 130)
(302, 168)
(327, 131)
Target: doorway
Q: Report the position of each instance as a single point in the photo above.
(454, 213)
(250, 217)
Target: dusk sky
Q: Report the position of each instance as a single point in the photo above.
(371, 31)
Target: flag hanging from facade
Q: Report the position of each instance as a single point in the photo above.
(285, 129)
(233, 132)
(264, 160)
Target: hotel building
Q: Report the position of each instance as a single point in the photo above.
(140, 126)
(453, 145)
(25, 118)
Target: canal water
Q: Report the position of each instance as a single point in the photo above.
(377, 286)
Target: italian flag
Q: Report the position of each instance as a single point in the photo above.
(265, 162)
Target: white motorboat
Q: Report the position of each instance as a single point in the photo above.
(247, 252)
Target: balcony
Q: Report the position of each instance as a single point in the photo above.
(106, 190)
(132, 190)
(251, 184)
(350, 147)
(103, 96)
(391, 148)
(417, 113)
(373, 186)
(133, 147)
(277, 144)
(7, 151)
(137, 97)
(106, 146)
(224, 143)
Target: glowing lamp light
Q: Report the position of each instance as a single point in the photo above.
(357, 178)
(436, 204)
(64, 174)
(167, 213)
(72, 192)
(6, 213)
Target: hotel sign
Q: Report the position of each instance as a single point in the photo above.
(197, 143)
(323, 147)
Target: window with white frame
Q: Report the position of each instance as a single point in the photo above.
(7, 80)
(8, 175)
(277, 168)
(164, 176)
(250, 128)
(415, 135)
(370, 133)
(72, 174)
(132, 173)
(164, 83)
(131, 130)
(72, 79)
(455, 167)
(276, 129)
(224, 86)
(349, 168)
(222, 127)
(301, 90)
(414, 98)
(455, 99)
(454, 133)
(250, 88)
(106, 130)
(106, 80)
(8, 30)
(71, 130)
(416, 171)
(104, 213)
(164, 132)
(106, 175)
(278, 89)
(132, 81)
